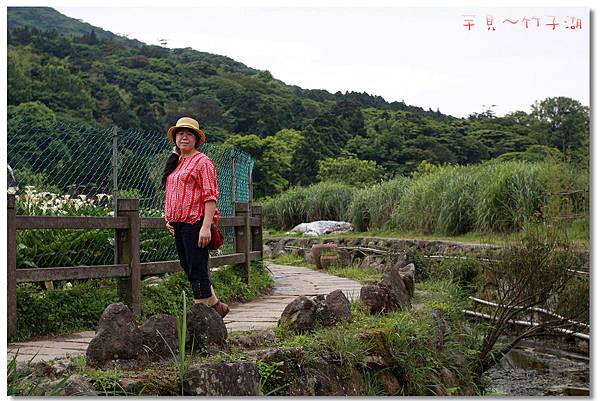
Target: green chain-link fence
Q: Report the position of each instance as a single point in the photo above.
(67, 169)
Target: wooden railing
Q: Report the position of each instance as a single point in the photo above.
(127, 223)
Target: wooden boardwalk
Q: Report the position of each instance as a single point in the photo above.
(289, 282)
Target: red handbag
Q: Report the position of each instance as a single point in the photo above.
(216, 238)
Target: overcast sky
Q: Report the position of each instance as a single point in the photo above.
(424, 56)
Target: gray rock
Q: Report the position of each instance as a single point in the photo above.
(322, 378)
(335, 309)
(78, 385)
(395, 280)
(375, 298)
(117, 337)
(279, 248)
(222, 379)
(205, 327)
(440, 327)
(389, 382)
(267, 252)
(321, 227)
(299, 315)
(448, 378)
(255, 339)
(130, 385)
(159, 336)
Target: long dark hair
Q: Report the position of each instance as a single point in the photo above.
(170, 165)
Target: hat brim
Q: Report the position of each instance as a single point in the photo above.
(171, 132)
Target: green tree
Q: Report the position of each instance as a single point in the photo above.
(350, 170)
(566, 122)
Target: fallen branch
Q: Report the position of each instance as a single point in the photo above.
(534, 309)
(527, 324)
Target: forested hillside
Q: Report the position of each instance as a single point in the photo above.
(63, 69)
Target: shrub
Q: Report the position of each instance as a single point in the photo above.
(60, 311)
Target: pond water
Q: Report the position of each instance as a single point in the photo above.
(534, 369)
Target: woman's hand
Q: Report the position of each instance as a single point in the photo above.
(170, 228)
(204, 237)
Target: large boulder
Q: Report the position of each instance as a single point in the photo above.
(400, 284)
(322, 378)
(333, 308)
(159, 336)
(323, 227)
(394, 291)
(205, 326)
(375, 298)
(117, 337)
(299, 315)
(222, 379)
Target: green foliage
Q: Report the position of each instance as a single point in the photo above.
(441, 201)
(328, 201)
(66, 309)
(350, 170)
(322, 201)
(273, 158)
(85, 74)
(60, 311)
(566, 122)
(372, 207)
(22, 381)
(270, 378)
(510, 195)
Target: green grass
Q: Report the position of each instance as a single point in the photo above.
(62, 311)
(407, 335)
(354, 273)
(448, 201)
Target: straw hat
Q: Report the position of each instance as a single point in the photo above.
(186, 122)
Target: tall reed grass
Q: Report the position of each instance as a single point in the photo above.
(372, 207)
(448, 200)
(322, 201)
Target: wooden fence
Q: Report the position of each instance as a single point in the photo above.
(127, 223)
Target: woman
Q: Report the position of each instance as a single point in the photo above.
(191, 194)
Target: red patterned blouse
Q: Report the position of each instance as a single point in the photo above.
(192, 183)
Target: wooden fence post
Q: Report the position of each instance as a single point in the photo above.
(128, 251)
(242, 238)
(257, 244)
(11, 266)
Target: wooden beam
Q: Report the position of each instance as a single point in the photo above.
(70, 222)
(71, 273)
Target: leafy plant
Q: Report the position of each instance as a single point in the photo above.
(270, 375)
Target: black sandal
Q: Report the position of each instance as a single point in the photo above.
(221, 308)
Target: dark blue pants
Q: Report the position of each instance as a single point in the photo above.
(193, 259)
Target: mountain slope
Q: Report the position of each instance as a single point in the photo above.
(47, 19)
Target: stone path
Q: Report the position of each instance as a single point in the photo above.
(289, 282)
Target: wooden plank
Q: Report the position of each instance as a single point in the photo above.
(159, 222)
(149, 268)
(70, 222)
(255, 222)
(232, 259)
(241, 207)
(71, 273)
(256, 255)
